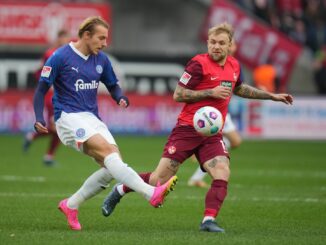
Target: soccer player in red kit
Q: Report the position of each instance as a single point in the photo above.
(209, 80)
(63, 37)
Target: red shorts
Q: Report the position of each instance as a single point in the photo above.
(184, 141)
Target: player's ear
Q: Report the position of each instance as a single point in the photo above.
(87, 34)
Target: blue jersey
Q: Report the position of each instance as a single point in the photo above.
(75, 78)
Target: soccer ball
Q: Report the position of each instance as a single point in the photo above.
(208, 121)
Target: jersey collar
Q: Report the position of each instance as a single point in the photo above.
(85, 57)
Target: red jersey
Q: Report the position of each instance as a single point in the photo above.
(202, 73)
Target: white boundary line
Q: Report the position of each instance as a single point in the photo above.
(188, 197)
(14, 178)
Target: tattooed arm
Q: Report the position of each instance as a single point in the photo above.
(247, 91)
(182, 94)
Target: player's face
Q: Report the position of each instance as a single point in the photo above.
(98, 40)
(218, 47)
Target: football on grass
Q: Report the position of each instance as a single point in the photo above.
(208, 121)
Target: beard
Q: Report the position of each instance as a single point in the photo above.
(217, 57)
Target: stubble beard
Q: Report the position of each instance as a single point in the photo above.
(217, 58)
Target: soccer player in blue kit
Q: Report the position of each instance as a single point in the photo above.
(75, 71)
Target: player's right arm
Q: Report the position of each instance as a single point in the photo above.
(182, 94)
(48, 76)
(41, 90)
(186, 92)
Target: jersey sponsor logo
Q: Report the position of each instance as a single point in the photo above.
(75, 69)
(227, 84)
(81, 85)
(99, 69)
(80, 133)
(46, 71)
(185, 78)
(172, 150)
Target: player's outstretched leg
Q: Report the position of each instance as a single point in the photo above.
(160, 193)
(71, 215)
(210, 226)
(111, 201)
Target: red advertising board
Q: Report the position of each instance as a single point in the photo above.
(38, 23)
(153, 114)
(257, 42)
(147, 114)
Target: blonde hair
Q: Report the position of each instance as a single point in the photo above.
(90, 23)
(222, 28)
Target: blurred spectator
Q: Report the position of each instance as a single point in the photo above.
(287, 25)
(298, 34)
(319, 66)
(245, 4)
(304, 21)
(265, 77)
(314, 23)
(293, 7)
(262, 9)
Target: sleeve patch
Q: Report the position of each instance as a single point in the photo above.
(185, 78)
(46, 71)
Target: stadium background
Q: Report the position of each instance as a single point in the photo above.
(150, 44)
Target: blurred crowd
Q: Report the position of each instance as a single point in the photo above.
(304, 21)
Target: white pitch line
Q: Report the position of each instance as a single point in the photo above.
(283, 174)
(259, 199)
(310, 200)
(13, 178)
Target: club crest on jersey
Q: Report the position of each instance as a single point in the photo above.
(80, 133)
(172, 149)
(81, 85)
(99, 69)
(46, 71)
(185, 78)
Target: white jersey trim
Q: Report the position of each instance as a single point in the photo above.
(85, 57)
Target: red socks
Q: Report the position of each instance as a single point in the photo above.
(215, 197)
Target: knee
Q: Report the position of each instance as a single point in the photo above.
(99, 149)
(236, 142)
(224, 169)
(219, 168)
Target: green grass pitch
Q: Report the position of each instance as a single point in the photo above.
(277, 195)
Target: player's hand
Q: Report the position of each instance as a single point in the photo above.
(285, 98)
(40, 128)
(123, 101)
(221, 92)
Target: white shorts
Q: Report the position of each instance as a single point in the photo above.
(228, 125)
(75, 128)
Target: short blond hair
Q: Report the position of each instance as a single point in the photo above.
(90, 23)
(222, 28)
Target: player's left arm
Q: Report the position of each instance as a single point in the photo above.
(247, 91)
(110, 81)
(117, 95)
